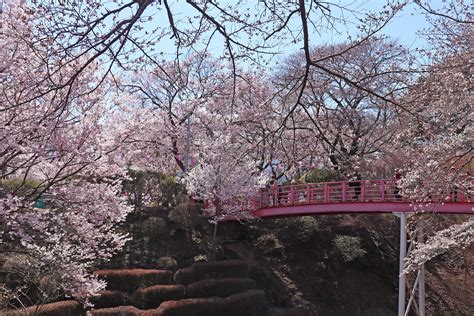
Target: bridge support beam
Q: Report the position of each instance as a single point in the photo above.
(403, 308)
(402, 276)
(421, 282)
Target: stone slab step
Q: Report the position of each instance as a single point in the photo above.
(64, 308)
(128, 280)
(153, 296)
(110, 299)
(292, 311)
(249, 303)
(117, 311)
(212, 270)
(219, 287)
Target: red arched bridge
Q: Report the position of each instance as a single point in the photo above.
(365, 196)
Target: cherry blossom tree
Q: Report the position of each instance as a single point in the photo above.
(129, 35)
(173, 94)
(338, 103)
(54, 147)
(436, 139)
(350, 123)
(243, 111)
(224, 177)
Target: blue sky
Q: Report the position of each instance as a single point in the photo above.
(403, 27)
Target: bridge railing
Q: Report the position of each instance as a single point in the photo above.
(340, 192)
(335, 192)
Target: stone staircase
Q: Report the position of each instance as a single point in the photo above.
(203, 289)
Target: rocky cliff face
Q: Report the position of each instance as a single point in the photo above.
(336, 265)
(348, 265)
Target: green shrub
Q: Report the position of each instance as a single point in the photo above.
(269, 244)
(304, 227)
(180, 215)
(10, 185)
(154, 189)
(153, 225)
(200, 258)
(320, 175)
(307, 226)
(167, 263)
(349, 247)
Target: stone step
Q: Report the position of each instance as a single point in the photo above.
(249, 303)
(219, 287)
(128, 280)
(110, 298)
(117, 311)
(153, 296)
(291, 311)
(63, 308)
(212, 270)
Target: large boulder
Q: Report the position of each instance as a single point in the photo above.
(109, 299)
(128, 280)
(151, 297)
(64, 308)
(219, 287)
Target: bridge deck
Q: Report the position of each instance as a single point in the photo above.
(365, 196)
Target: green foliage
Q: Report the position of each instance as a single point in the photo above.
(184, 215)
(200, 258)
(304, 227)
(181, 215)
(21, 187)
(350, 247)
(153, 225)
(320, 175)
(269, 244)
(10, 185)
(167, 263)
(154, 189)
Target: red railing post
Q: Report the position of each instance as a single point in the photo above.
(344, 191)
(382, 189)
(275, 195)
(292, 195)
(362, 191)
(326, 193)
(309, 195)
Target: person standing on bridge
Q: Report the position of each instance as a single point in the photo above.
(266, 195)
(354, 181)
(396, 190)
(453, 196)
(275, 190)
